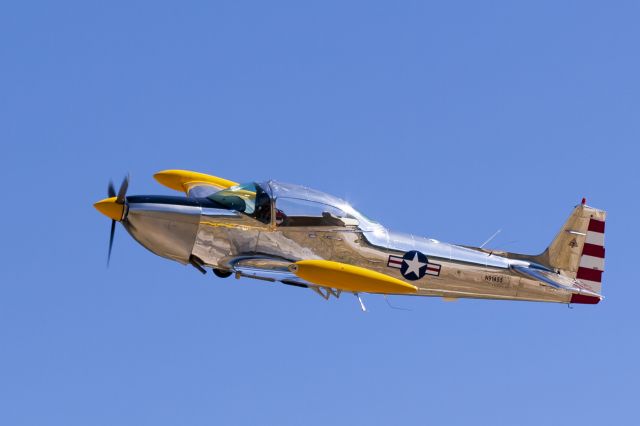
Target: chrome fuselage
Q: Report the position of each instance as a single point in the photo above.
(191, 230)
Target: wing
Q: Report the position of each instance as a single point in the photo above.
(316, 274)
(193, 184)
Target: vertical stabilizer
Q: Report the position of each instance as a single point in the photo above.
(578, 249)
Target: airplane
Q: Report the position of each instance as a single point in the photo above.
(294, 235)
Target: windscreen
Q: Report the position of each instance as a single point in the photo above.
(248, 198)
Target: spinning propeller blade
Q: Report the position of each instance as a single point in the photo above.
(122, 192)
(111, 191)
(113, 232)
(113, 207)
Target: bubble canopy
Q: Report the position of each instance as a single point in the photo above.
(280, 191)
(256, 198)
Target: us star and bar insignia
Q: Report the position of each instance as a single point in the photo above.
(414, 265)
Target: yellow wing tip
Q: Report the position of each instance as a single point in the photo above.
(170, 179)
(349, 277)
(182, 180)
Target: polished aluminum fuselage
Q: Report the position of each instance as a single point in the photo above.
(232, 241)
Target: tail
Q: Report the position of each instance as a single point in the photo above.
(578, 249)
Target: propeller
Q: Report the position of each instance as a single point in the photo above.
(120, 199)
(111, 191)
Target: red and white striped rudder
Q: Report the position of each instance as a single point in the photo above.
(578, 249)
(592, 261)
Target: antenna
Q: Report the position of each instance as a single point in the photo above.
(491, 238)
(364, 309)
(394, 307)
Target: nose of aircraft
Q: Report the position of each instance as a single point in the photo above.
(167, 226)
(110, 208)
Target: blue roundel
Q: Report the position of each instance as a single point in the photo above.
(414, 265)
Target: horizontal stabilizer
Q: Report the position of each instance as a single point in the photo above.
(561, 282)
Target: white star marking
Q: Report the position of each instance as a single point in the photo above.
(414, 265)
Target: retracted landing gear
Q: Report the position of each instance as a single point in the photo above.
(221, 273)
(197, 263)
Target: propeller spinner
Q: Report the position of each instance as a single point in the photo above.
(113, 207)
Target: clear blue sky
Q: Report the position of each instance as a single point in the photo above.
(445, 119)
